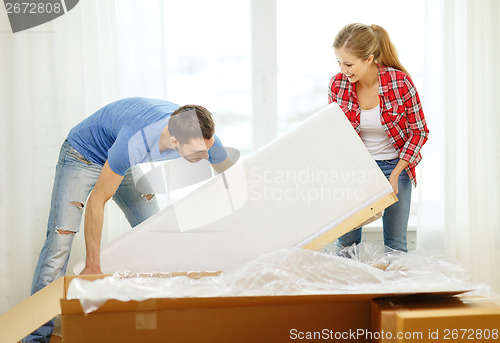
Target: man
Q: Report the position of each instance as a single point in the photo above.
(98, 156)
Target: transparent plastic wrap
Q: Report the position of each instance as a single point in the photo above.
(369, 270)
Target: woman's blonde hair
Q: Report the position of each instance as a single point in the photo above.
(363, 40)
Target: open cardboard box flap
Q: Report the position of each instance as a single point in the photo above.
(51, 301)
(36, 310)
(32, 312)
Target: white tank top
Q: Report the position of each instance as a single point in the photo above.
(374, 136)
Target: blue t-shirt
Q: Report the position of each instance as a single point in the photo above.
(127, 132)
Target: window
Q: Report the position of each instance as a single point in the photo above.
(191, 52)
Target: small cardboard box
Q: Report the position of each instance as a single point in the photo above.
(433, 319)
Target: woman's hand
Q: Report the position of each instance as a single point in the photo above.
(393, 178)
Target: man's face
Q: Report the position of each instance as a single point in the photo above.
(196, 149)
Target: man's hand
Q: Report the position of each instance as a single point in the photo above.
(88, 270)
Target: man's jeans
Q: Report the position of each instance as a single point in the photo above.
(395, 218)
(74, 179)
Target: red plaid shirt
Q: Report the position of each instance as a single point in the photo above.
(401, 113)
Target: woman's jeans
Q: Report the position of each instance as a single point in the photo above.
(395, 218)
(74, 179)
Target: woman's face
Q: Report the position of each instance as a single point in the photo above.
(351, 66)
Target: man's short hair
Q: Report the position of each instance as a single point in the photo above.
(184, 125)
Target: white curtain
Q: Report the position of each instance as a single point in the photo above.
(460, 212)
(53, 76)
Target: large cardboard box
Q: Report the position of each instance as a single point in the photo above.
(443, 319)
(223, 319)
(226, 319)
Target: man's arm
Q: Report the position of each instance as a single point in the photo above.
(105, 187)
(220, 167)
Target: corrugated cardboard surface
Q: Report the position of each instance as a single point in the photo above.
(435, 320)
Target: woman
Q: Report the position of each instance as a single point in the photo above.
(379, 99)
